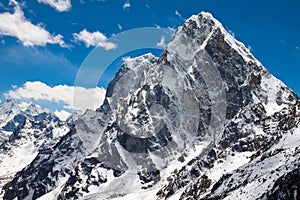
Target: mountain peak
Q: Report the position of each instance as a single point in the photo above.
(197, 31)
(183, 124)
(10, 102)
(132, 62)
(13, 114)
(8, 108)
(33, 109)
(204, 16)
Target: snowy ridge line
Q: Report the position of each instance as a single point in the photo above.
(233, 42)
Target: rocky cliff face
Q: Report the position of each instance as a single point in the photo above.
(205, 120)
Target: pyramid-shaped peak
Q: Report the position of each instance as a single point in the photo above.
(10, 101)
(197, 32)
(10, 104)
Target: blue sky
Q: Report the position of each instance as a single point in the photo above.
(44, 42)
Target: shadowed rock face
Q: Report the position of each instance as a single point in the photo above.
(286, 187)
(206, 105)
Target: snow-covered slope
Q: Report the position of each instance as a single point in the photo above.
(25, 130)
(205, 120)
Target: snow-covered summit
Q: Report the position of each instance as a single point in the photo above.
(13, 114)
(196, 32)
(33, 109)
(8, 109)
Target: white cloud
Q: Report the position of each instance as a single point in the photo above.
(126, 5)
(94, 39)
(162, 42)
(79, 100)
(16, 25)
(59, 5)
(126, 58)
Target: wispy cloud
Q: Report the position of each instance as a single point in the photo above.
(60, 94)
(16, 25)
(3, 7)
(162, 42)
(36, 58)
(231, 32)
(97, 39)
(126, 5)
(179, 15)
(120, 27)
(59, 5)
(250, 48)
(283, 42)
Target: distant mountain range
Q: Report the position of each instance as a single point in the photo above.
(205, 120)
